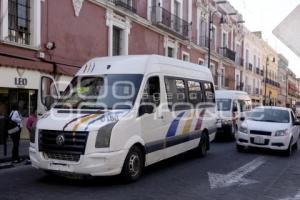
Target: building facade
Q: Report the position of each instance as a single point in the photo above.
(253, 69)
(283, 64)
(270, 84)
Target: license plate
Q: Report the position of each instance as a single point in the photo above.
(259, 140)
(60, 167)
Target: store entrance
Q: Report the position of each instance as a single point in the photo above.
(25, 99)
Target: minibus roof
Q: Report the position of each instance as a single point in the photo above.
(232, 94)
(144, 64)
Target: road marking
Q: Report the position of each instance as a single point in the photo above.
(297, 197)
(235, 177)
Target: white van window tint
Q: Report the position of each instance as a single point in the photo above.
(151, 92)
(113, 91)
(209, 92)
(195, 92)
(176, 93)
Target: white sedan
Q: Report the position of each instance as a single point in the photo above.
(274, 128)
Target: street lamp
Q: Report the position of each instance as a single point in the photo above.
(266, 77)
(211, 18)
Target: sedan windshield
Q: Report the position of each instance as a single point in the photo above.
(224, 104)
(101, 92)
(270, 115)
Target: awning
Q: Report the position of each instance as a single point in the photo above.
(27, 64)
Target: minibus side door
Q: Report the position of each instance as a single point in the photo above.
(151, 117)
(47, 94)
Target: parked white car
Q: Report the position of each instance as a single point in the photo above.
(274, 128)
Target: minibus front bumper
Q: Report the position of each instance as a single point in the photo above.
(94, 164)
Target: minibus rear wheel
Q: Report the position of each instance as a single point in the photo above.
(133, 164)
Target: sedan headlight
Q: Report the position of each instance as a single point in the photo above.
(281, 132)
(103, 136)
(243, 129)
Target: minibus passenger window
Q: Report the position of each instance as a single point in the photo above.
(176, 94)
(209, 92)
(195, 93)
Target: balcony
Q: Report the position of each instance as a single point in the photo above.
(128, 5)
(273, 83)
(164, 19)
(226, 52)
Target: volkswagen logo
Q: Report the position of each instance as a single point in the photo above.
(60, 140)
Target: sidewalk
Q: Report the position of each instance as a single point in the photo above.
(23, 150)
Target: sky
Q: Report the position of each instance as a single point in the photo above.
(265, 16)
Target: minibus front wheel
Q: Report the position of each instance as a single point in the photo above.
(133, 164)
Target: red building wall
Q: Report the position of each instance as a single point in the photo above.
(77, 38)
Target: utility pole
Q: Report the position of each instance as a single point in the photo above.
(266, 77)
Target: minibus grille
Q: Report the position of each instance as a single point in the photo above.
(62, 156)
(62, 142)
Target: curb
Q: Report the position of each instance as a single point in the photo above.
(8, 159)
(6, 166)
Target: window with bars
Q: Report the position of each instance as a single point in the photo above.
(19, 21)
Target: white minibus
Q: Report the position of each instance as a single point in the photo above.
(232, 105)
(121, 114)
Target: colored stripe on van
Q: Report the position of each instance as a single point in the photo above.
(174, 125)
(82, 120)
(73, 120)
(102, 118)
(188, 124)
(200, 120)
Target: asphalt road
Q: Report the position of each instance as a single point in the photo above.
(269, 176)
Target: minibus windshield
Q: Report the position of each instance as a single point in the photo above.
(111, 91)
(224, 104)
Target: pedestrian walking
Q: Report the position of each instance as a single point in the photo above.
(15, 132)
(31, 124)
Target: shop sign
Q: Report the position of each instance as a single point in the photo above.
(20, 81)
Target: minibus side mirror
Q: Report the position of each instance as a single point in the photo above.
(296, 123)
(49, 101)
(145, 109)
(235, 109)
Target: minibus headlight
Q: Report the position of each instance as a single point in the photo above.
(281, 132)
(103, 136)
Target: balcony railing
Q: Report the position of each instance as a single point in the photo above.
(127, 4)
(170, 22)
(226, 52)
(271, 82)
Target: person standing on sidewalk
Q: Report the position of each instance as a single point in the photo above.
(17, 118)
